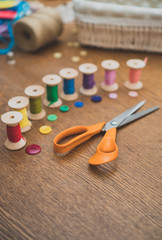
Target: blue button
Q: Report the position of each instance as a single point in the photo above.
(96, 98)
(79, 104)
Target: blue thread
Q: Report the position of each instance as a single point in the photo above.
(69, 86)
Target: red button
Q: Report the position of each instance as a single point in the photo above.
(33, 149)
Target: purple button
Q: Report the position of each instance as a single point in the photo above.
(33, 149)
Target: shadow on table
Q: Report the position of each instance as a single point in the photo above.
(107, 169)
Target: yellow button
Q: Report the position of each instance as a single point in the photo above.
(75, 59)
(45, 129)
(57, 55)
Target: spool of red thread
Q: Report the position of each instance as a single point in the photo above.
(14, 139)
(136, 66)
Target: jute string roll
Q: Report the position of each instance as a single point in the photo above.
(38, 29)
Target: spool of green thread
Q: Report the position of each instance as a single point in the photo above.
(52, 82)
(35, 105)
(34, 92)
(52, 94)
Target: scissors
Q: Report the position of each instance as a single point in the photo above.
(107, 150)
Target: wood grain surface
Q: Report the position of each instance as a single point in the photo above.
(48, 197)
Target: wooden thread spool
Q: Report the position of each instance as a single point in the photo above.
(109, 83)
(34, 92)
(52, 100)
(68, 75)
(88, 88)
(14, 139)
(40, 28)
(19, 104)
(135, 65)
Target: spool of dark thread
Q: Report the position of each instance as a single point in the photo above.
(38, 29)
(88, 87)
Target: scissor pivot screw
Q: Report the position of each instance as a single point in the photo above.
(113, 122)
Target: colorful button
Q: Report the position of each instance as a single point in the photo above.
(69, 44)
(45, 129)
(52, 117)
(64, 108)
(57, 55)
(76, 44)
(33, 149)
(75, 59)
(132, 93)
(83, 53)
(79, 104)
(113, 95)
(96, 98)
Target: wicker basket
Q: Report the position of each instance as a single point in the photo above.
(108, 25)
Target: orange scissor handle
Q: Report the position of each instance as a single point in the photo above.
(107, 150)
(85, 132)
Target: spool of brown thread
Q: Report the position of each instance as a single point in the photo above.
(38, 29)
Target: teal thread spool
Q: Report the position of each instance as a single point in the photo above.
(34, 92)
(68, 93)
(52, 81)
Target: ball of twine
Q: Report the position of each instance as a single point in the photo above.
(38, 29)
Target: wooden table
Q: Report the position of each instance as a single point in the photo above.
(48, 197)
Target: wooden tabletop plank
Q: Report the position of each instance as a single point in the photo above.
(48, 197)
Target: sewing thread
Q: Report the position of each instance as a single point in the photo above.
(135, 69)
(69, 86)
(25, 121)
(14, 133)
(52, 93)
(35, 105)
(88, 81)
(134, 75)
(68, 75)
(110, 76)
(88, 87)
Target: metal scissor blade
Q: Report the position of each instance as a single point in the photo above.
(138, 115)
(116, 122)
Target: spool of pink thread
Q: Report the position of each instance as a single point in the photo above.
(109, 83)
(136, 66)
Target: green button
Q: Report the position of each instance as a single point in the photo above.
(64, 108)
(52, 117)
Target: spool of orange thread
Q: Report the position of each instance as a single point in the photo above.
(136, 66)
(14, 140)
